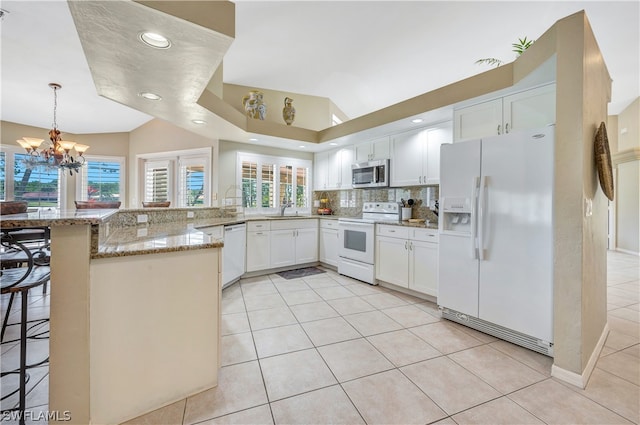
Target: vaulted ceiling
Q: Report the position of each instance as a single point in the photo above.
(363, 55)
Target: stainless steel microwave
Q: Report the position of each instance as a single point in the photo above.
(370, 174)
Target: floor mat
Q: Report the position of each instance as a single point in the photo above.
(298, 273)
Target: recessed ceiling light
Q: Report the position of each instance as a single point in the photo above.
(155, 40)
(302, 146)
(253, 139)
(150, 96)
(199, 122)
(416, 120)
(333, 144)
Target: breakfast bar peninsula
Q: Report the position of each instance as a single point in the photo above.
(134, 321)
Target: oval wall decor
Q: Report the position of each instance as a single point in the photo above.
(603, 161)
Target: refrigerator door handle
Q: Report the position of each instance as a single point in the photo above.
(481, 214)
(474, 227)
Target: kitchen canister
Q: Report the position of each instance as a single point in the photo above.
(406, 213)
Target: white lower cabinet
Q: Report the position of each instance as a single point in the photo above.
(328, 252)
(392, 260)
(408, 257)
(423, 267)
(293, 242)
(258, 245)
(283, 248)
(306, 250)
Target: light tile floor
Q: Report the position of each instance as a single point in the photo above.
(328, 349)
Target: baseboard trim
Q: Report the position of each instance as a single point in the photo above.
(576, 379)
(627, 251)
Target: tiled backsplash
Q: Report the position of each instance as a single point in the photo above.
(349, 202)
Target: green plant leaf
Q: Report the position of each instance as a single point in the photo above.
(522, 45)
(489, 61)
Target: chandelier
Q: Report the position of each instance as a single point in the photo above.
(56, 154)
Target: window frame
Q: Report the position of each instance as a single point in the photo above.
(260, 160)
(9, 195)
(83, 175)
(176, 159)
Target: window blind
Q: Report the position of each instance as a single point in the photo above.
(101, 181)
(156, 182)
(39, 186)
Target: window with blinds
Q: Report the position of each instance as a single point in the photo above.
(156, 181)
(180, 177)
(286, 184)
(249, 184)
(101, 179)
(268, 182)
(302, 186)
(192, 183)
(39, 186)
(268, 186)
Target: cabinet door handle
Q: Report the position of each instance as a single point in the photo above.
(410, 246)
(405, 244)
(506, 128)
(259, 233)
(498, 128)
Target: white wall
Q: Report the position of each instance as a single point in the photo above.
(628, 207)
(625, 149)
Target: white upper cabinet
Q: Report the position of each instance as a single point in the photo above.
(320, 170)
(334, 173)
(530, 109)
(376, 149)
(436, 137)
(415, 155)
(406, 158)
(347, 160)
(519, 111)
(332, 169)
(479, 120)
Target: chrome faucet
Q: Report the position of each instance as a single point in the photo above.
(284, 205)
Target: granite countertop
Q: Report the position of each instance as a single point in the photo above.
(117, 241)
(150, 239)
(55, 217)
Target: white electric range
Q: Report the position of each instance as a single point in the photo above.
(356, 236)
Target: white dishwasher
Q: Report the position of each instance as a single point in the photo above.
(233, 253)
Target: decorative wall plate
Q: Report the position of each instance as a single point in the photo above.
(603, 161)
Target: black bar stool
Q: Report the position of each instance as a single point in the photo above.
(19, 280)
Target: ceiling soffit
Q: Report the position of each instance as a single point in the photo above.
(122, 66)
(181, 74)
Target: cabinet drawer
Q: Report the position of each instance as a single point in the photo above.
(214, 231)
(426, 235)
(327, 223)
(393, 231)
(289, 224)
(256, 226)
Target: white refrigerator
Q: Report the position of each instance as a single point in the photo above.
(496, 236)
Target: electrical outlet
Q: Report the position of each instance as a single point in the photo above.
(143, 218)
(190, 214)
(142, 232)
